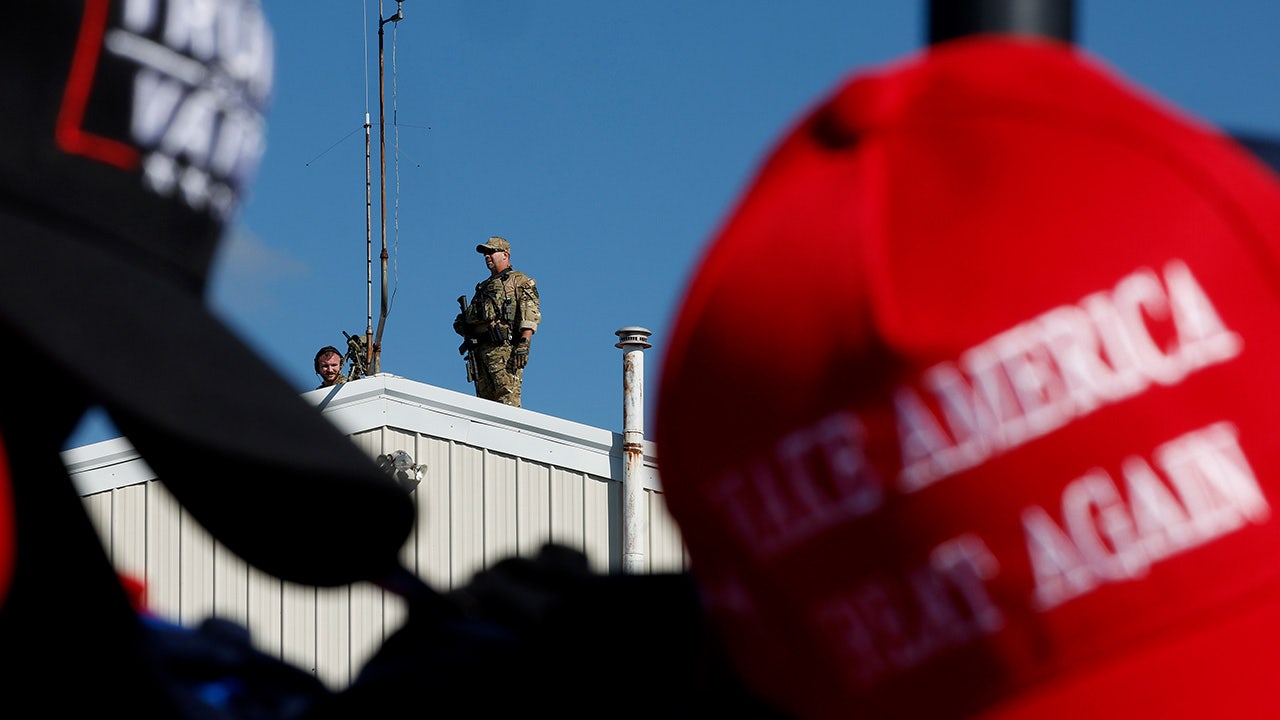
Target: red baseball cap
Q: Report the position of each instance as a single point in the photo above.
(970, 408)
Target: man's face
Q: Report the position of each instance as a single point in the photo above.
(497, 261)
(330, 365)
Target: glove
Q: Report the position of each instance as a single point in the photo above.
(519, 355)
(460, 326)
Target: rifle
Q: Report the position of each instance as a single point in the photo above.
(468, 343)
(357, 355)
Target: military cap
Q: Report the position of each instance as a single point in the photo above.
(495, 244)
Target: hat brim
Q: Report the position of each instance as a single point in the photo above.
(262, 470)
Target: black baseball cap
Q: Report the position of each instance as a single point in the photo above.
(131, 131)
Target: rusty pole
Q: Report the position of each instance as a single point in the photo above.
(635, 521)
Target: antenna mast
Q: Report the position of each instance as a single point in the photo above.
(375, 347)
(368, 247)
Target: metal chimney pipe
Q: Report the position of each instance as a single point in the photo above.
(635, 517)
(950, 19)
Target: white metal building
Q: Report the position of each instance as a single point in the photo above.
(498, 481)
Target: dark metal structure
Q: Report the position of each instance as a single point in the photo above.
(956, 18)
(949, 19)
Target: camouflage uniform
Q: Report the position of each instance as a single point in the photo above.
(502, 306)
(337, 381)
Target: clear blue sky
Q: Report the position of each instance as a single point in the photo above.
(605, 140)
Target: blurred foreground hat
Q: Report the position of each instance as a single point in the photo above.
(493, 245)
(1008, 447)
(131, 132)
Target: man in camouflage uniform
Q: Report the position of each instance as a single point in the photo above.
(498, 325)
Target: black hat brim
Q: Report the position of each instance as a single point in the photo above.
(261, 469)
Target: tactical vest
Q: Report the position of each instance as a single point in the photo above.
(506, 299)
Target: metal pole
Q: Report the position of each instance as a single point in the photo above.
(368, 242)
(635, 519)
(375, 347)
(950, 19)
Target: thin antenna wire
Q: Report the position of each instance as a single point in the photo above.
(336, 144)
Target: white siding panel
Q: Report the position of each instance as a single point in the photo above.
(98, 508)
(466, 514)
(129, 549)
(500, 539)
(265, 604)
(230, 585)
(666, 548)
(298, 625)
(333, 641)
(164, 552)
(196, 592)
(385, 441)
(568, 508)
(395, 613)
(435, 502)
(370, 442)
(367, 621)
(600, 497)
(533, 520)
(394, 439)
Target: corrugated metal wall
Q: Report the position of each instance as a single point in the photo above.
(475, 507)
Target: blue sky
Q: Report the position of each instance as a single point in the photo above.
(605, 140)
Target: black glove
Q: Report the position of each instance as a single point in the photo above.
(460, 326)
(519, 355)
